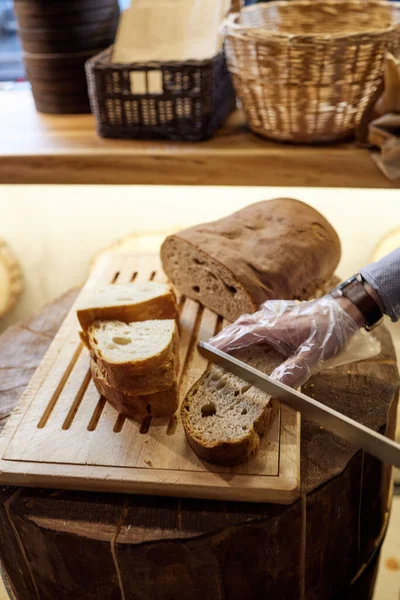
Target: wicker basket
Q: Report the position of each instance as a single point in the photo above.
(175, 100)
(304, 70)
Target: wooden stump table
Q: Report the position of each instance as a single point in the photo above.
(59, 545)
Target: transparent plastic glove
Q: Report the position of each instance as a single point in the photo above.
(314, 335)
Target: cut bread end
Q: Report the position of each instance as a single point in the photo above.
(202, 278)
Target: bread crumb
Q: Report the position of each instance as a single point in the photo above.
(148, 462)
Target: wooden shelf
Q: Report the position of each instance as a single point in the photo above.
(36, 148)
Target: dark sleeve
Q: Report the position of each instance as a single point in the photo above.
(384, 277)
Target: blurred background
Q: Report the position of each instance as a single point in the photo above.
(11, 64)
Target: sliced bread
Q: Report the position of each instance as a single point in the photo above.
(137, 407)
(278, 248)
(140, 357)
(223, 416)
(142, 301)
(148, 383)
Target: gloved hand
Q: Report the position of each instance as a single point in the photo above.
(313, 335)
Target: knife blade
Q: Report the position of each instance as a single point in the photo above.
(357, 434)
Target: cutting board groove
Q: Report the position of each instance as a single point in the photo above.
(63, 434)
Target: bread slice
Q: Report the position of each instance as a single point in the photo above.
(140, 357)
(149, 383)
(279, 248)
(137, 407)
(223, 416)
(142, 301)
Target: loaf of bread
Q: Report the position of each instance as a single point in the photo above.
(141, 301)
(278, 248)
(223, 416)
(137, 407)
(140, 357)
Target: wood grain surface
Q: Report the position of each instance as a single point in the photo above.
(36, 148)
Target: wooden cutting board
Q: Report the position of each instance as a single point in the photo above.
(63, 435)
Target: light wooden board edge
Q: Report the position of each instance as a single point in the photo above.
(218, 486)
(289, 469)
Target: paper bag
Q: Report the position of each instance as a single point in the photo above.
(165, 30)
(385, 133)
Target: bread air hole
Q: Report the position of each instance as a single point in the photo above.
(197, 261)
(208, 410)
(196, 289)
(121, 341)
(213, 376)
(221, 384)
(230, 288)
(244, 411)
(245, 388)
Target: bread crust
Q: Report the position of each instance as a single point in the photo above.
(149, 383)
(138, 407)
(160, 307)
(279, 248)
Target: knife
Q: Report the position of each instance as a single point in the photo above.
(335, 422)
